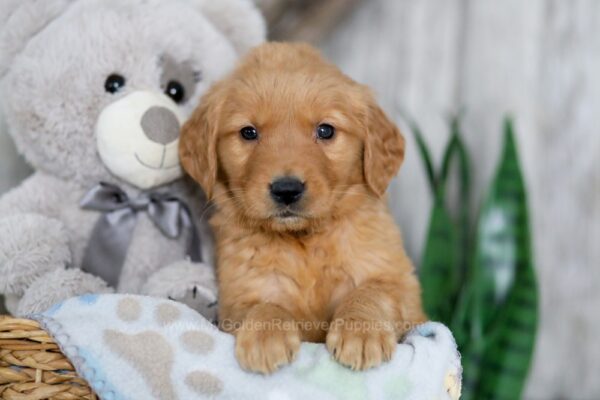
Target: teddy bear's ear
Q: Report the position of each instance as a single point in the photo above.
(238, 20)
(20, 20)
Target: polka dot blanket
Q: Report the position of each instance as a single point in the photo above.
(133, 347)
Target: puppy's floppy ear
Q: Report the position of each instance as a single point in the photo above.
(198, 144)
(384, 150)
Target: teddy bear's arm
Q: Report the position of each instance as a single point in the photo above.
(34, 248)
(38, 194)
(57, 286)
(187, 282)
(32, 240)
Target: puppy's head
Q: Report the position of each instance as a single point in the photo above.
(290, 141)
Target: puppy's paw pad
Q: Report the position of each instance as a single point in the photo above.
(165, 314)
(129, 309)
(204, 383)
(197, 342)
(150, 354)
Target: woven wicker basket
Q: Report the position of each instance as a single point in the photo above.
(32, 366)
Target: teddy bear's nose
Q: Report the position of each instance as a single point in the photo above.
(160, 125)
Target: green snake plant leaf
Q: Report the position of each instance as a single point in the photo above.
(457, 152)
(505, 300)
(442, 267)
(439, 271)
(425, 156)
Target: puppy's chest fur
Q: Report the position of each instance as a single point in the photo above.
(303, 273)
(308, 275)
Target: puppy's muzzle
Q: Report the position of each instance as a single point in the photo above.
(287, 190)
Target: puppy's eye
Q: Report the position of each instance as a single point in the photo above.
(114, 83)
(175, 91)
(249, 133)
(325, 132)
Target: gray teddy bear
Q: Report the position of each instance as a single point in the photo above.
(94, 93)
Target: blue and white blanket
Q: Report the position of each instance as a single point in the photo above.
(133, 347)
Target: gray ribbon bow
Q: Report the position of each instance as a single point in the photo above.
(107, 248)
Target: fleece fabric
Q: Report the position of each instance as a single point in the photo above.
(134, 347)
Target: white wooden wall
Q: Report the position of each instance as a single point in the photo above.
(540, 61)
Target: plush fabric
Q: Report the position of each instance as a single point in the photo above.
(32, 246)
(71, 283)
(148, 348)
(55, 60)
(128, 144)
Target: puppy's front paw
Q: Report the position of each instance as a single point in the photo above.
(361, 345)
(265, 347)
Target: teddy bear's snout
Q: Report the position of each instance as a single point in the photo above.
(138, 138)
(160, 125)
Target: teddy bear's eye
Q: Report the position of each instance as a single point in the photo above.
(114, 83)
(175, 91)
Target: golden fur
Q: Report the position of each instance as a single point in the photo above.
(337, 271)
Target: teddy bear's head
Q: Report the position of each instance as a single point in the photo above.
(96, 90)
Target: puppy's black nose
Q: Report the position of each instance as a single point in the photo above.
(287, 190)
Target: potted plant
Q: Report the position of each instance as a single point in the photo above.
(478, 274)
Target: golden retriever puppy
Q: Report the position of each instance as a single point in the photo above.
(296, 158)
